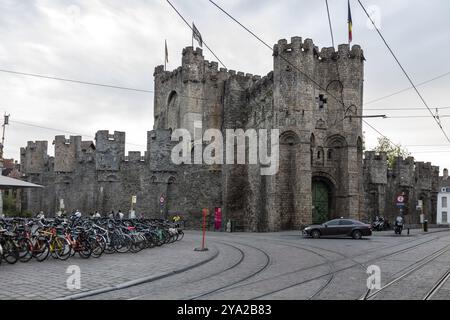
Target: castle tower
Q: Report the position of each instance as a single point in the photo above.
(318, 105)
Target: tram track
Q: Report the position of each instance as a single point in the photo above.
(409, 270)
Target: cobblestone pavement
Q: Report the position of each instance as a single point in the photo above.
(281, 265)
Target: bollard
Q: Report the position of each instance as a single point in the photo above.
(425, 226)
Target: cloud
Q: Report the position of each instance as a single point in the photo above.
(119, 43)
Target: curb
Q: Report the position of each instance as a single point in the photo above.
(136, 282)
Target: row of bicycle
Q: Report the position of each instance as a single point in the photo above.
(26, 239)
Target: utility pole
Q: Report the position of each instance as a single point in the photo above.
(5, 123)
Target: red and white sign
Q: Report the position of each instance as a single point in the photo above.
(400, 199)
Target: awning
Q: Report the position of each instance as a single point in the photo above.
(10, 183)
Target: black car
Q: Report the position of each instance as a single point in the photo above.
(339, 227)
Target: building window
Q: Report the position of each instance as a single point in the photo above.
(444, 217)
(330, 154)
(444, 202)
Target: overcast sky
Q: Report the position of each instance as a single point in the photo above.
(120, 43)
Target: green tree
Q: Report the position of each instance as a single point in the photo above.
(9, 206)
(392, 151)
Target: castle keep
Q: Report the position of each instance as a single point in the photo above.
(322, 172)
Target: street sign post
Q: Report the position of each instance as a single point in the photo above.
(162, 203)
(205, 213)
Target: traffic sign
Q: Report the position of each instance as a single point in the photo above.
(400, 199)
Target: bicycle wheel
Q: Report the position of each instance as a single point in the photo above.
(123, 243)
(180, 235)
(98, 247)
(41, 248)
(62, 248)
(85, 249)
(10, 251)
(25, 250)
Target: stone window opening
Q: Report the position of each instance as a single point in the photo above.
(330, 154)
(319, 154)
(322, 101)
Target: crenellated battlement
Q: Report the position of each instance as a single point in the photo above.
(67, 153)
(261, 85)
(375, 156)
(202, 70)
(110, 150)
(34, 157)
(307, 47)
(134, 157)
(408, 161)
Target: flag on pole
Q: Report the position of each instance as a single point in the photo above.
(350, 24)
(167, 54)
(196, 35)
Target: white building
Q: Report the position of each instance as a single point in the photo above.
(443, 200)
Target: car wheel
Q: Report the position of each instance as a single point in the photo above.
(315, 234)
(356, 235)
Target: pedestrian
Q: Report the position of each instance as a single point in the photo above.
(120, 215)
(112, 215)
(97, 215)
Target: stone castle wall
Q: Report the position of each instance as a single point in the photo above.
(313, 97)
(415, 180)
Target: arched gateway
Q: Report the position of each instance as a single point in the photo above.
(323, 200)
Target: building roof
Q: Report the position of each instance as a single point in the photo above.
(444, 183)
(10, 183)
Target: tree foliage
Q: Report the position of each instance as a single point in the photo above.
(392, 151)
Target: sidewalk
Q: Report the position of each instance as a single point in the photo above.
(48, 280)
(412, 233)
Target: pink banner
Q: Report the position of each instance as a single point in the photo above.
(218, 218)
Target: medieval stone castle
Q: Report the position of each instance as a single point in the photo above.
(323, 171)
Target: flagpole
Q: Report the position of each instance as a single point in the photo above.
(193, 25)
(165, 55)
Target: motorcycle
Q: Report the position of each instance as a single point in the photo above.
(398, 227)
(380, 224)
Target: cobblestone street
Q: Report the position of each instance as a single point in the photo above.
(247, 266)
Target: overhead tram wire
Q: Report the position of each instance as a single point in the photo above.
(403, 109)
(295, 67)
(280, 55)
(190, 27)
(407, 89)
(151, 91)
(74, 81)
(64, 131)
(404, 71)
